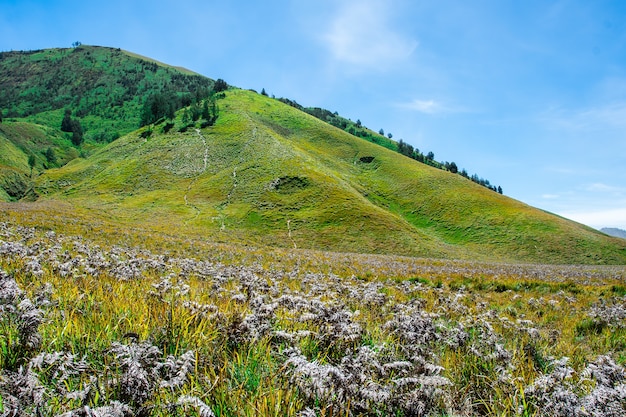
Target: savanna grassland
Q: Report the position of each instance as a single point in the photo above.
(236, 256)
(183, 327)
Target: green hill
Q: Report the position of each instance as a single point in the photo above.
(265, 173)
(104, 89)
(269, 174)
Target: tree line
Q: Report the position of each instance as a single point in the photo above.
(429, 159)
(201, 104)
(163, 105)
(358, 130)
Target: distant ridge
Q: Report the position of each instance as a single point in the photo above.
(613, 231)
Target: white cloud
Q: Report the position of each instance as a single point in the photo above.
(550, 196)
(599, 218)
(361, 34)
(424, 106)
(604, 188)
(430, 107)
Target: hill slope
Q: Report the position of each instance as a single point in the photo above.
(104, 89)
(268, 174)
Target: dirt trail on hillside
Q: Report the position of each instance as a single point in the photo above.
(241, 160)
(202, 171)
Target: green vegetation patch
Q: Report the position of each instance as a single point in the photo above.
(167, 324)
(289, 184)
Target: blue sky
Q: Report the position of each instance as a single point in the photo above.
(530, 95)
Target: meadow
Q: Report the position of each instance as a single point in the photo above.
(154, 325)
(205, 267)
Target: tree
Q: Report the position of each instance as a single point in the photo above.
(430, 156)
(72, 125)
(499, 189)
(186, 118)
(358, 123)
(159, 105)
(453, 168)
(31, 163)
(77, 138)
(220, 85)
(77, 132)
(200, 94)
(205, 111)
(76, 44)
(185, 100)
(263, 93)
(77, 127)
(406, 149)
(66, 123)
(51, 156)
(213, 112)
(210, 112)
(381, 132)
(196, 111)
(389, 135)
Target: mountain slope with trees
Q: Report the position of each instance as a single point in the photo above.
(59, 104)
(268, 174)
(104, 89)
(360, 131)
(228, 165)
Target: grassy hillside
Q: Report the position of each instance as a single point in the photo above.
(268, 174)
(19, 141)
(104, 87)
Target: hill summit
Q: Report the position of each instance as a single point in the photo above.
(236, 166)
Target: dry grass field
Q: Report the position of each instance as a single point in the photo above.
(171, 327)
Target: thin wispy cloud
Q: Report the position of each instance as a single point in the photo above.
(596, 118)
(424, 106)
(430, 107)
(604, 188)
(361, 34)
